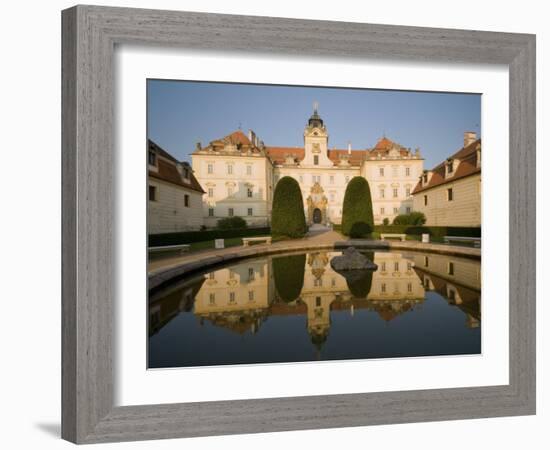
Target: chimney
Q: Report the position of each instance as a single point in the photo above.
(349, 147)
(469, 137)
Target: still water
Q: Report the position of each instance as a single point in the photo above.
(296, 308)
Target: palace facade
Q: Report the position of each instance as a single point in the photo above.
(239, 172)
(450, 193)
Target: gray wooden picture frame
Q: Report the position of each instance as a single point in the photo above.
(90, 34)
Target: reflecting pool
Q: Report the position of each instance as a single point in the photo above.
(297, 308)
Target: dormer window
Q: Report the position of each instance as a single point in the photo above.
(152, 158)
(450, 167)
(186, 173)
(425, 178)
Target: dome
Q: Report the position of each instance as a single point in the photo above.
(315, 119)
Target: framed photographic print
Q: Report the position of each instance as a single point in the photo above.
(268, 230)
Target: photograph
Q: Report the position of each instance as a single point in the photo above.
(294, 223)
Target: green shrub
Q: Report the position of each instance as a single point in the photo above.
(386, 221)
(360, 230)
(436, 232)
(288, 275)
(287, 215)
(189, 237)
(413, 218)
(232, 223)
(357, 207)
(360, 281)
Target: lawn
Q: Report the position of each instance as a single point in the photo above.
(204, 245)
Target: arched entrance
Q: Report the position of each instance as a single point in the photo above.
(317, 216)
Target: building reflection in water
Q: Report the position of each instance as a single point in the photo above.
(241, 297)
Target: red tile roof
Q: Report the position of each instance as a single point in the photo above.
(466, 167)
(168, 170)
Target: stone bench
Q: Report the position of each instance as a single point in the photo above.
(475, 240)
(180, 248)
(247, 241)
(401, 236)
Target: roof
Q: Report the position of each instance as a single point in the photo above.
(168, 169)
(384, 145)
(279, 154)
(467, 166)
(237, 137)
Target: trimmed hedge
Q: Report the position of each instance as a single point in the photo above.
(188, 237)
(437, 232)
(287, 215)
(357, 217)
(232, 223)
(288, 275)
(415, 218)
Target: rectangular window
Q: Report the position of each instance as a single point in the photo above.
(381, 193)
(229, 192)
(395, 210)
(210, 192)
(152, 193)
(251, 273)
(250, 296)
(383, 287)
(395, 191)
(408, 192)
(210, 212)
(381, 171)
(407, 171)
(231, 297)
(249, 170)
(409, 287)
(426, 261)
(152, 158)
(317, 301)
(451, 268)
(450, 194)
(250, 211)
(450, 166)
(316, 160)
(396, 266)
(212, 298)
(425, 200)
(382, 211)
(394, 171)
(332, 179)
(409, 266)
(331, 197)
(185, 173)
(384, 266)
(210, 168)
(249, 192)
(230, 212)
(186, 200)
(408, 209)
(230, 169)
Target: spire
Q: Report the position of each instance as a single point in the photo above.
(315, 120)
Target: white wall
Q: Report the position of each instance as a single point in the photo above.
(30, 92)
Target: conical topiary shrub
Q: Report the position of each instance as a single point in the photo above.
(357, 217)
(287, 215)
(288, 275)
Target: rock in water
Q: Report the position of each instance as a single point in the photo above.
(352, 259)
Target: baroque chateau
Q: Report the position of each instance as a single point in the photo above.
(239, 172)
(236, 176)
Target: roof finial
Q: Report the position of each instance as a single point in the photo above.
(240, 125)
(315, 106)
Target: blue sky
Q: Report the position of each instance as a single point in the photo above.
(181, 113)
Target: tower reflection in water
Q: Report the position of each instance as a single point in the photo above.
(244, 297)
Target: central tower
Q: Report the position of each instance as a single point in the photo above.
(316, 142)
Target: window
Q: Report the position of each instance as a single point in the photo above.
(381, 171)
(395, 210)
(249, 212)
(332, 196)
(212, 298)
(186, 200)
(450, 194)
(210, 168)
(408, 192)
(382, 211)
(383, 287)
(332, 179)
(249, 192)
(384, 266)
(230, 169)
(408, 209)
(210, 212)
(231, 297)
(394, 171)
(152, 193)
(395, 192)
(426, 261)
(212, 275)
(210, 192)
(230, 212)
(451, 268)
(382, 193)
(249, 170)
(425, 200)
(407, 171)
(251, 273)
(152, 158)
(409, 287)
(185, 173)
(450, 166)
(229, 191)
(316, 160)
(347, 179)
(396, 266)
(317, 301)
(250, 296)
(409, 266)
